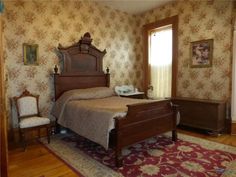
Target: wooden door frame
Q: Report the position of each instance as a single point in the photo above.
(3, 140)
(146, 28)
(3, 124)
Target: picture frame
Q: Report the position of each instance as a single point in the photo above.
(30, 54)
(201, 53)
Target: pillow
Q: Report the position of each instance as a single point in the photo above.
(90, 93)
(80, 94)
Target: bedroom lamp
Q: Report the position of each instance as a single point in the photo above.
(29, 117)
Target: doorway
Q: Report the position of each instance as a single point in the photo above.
(160, 57)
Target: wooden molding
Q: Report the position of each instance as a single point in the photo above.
(233, 128)
(3, 124)
(3, 140)
(146, 28)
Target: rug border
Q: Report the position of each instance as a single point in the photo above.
(82, 155)
(205, 143)
(61, 159)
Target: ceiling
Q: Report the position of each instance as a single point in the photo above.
(133, 6)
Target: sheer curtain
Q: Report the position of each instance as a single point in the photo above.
(160, 61)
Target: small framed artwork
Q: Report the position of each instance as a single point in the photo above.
(201, 53)
(30, 54)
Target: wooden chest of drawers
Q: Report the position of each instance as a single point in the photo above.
(209, 115)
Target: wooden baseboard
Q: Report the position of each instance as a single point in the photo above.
(233, 128)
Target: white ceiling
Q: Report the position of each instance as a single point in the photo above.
(133, 6)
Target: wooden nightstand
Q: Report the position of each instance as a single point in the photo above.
(139, 95)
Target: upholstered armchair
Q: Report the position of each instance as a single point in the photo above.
(29, 118)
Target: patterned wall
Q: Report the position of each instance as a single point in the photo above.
(200, 20)
(48, 23)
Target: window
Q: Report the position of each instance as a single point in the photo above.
(161, 29)
(160, 61)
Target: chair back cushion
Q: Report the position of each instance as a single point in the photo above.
(27, 106)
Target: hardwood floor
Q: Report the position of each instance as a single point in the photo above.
(224, 139)
(37, 161)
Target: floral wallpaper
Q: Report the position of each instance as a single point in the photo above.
(48, 23)
(198, 20)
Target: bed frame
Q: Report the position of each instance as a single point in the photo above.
(83, 69)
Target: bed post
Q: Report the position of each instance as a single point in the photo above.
(55, 75)
(118, 147)
(174, 131)
(118, 156)
(108, 77)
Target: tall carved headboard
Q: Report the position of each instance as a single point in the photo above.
(82, 67)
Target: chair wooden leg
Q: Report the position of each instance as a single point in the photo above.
(20, 136)
(174, 135)
(48, 133)
(23, 139)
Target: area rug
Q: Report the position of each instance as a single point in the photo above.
(157, 156)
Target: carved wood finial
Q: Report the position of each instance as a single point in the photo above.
(86, 39)
(59, 45)
(26, 92)
(107, 70)
(87, 35)
(55, 69)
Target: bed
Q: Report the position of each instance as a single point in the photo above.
(82, 84)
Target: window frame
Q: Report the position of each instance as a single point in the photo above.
(148, 27)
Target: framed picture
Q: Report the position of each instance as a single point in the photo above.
(30, 54)
(201, 53)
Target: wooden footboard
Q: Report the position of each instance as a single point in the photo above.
(144, 121)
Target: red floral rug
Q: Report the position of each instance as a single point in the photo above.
(157, 156)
